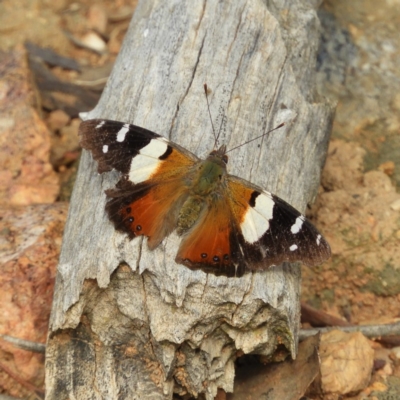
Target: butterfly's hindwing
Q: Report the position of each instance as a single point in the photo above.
(146, 209)
(208, 246)
(272, 230)
(294, 236)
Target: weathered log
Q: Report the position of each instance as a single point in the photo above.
(130, 323)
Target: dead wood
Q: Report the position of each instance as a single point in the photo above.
(129, 323)
(25, 344)
(317, 317)
(389, 331)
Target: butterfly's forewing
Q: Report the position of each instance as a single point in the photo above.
(146, 209)
(113, 144)
(271, 230)
(147, 199)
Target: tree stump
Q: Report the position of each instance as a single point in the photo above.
(128, 323)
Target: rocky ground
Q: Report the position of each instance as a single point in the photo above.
(357, 209)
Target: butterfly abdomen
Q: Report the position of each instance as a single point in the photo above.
(205, 184)
(189, 213)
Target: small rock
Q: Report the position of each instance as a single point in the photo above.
(122, 13)
(97, 18)
(94, 42)
(396, 352)
(347, 360)
(387, 168)
(57, 119)
(378, 180)
(395, 206)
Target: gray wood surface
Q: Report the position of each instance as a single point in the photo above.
(130, 323)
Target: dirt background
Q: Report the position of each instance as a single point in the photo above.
(357, 209)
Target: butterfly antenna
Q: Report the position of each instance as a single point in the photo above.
(258, 137)
(209, 113)
(220, 128)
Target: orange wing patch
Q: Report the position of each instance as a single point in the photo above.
(239, 197)
(175, 164)
(151, 211)
(214, 244)
(207, 245)
(151, 208)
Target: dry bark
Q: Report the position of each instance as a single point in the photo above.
(129, 323)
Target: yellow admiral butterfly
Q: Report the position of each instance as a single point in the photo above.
(228, 225)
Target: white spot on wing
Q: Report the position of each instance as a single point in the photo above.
(100, 124)
(145, 164)
(256, 219)
(122, 133)
(318, 240)
(105, 148)
(295, 228)
(146, 32)
(293, 247)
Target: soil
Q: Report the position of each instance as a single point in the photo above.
(358, 206)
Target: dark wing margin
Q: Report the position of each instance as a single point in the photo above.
(101, 138)
(292, 237)
(271, 231)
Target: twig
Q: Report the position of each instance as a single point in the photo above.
(370, 331)
(391, 340)
(25, 344)
(96, 82)
(51, 57)
(319, 318)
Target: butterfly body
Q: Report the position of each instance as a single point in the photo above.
(228, 226)
(209, 177)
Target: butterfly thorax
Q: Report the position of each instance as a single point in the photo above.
(209, 175)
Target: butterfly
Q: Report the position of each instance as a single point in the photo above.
(228, 226)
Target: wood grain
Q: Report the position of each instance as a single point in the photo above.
(130, 323)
